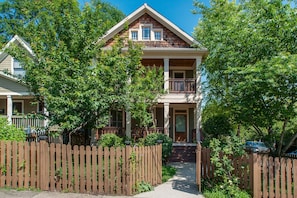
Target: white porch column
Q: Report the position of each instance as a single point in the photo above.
(9, 109)
(199, 98)
(128, 124)
(46, 113)
(166, 74)
(166, 118)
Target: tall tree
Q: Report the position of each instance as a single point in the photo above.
(252, 63)
(79, 81)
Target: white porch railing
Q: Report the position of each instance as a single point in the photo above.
(25, 122)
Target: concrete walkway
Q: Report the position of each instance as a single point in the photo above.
(182, 185)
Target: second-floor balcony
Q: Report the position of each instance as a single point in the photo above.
(185, 85)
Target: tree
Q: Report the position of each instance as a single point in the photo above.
(252, 62)
(78, 81)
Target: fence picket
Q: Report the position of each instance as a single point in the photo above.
(112, 171)
(100, 170)
(289, 178)
(88, 169)
(64, 165)
(94, 170)
(52, 167)
(70, 168)
(3, 158)
(76, 168)
(283, 177)
(271, 177)
(82, 164)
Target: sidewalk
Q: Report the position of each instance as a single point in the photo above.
(182, 185)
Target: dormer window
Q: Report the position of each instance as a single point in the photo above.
(146, 32)
(134, 35)
(158, 35)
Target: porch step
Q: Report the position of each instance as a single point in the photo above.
(183, 153)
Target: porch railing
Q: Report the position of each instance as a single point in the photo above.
(187, 85)
(24, 122)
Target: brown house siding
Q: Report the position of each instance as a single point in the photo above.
(170, 40)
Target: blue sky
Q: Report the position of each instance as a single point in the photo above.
(176, 11)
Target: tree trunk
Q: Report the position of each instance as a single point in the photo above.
(279, 149)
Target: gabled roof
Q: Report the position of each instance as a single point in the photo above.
(16, 40)
(154, 14)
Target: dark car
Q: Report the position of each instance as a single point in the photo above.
(256, 147)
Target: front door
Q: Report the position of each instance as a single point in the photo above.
(180, 127)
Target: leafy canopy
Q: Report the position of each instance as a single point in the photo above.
(251, 68)
(78, 80)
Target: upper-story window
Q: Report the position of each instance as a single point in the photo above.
(158, 35)
(134, 35)
(146, 32)
(18, 69)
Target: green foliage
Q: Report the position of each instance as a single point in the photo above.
(110, 140)
(218, 193)
(252, 67)
(79, 81)
(10, 132)
(167, 173)
(152, 139)
(217, 125)
(221, 151)
(143, 187)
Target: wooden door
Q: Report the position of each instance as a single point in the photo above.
(180, 127)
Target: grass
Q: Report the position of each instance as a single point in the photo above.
(167, 173)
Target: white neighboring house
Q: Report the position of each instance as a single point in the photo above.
(16, 101)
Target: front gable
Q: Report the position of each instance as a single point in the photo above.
(152, 30)
(168, 39)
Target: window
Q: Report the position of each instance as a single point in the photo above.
(18, 69)
(134, 35)
(116, 119)
(146, 33)
(158, 36)
(17, 107)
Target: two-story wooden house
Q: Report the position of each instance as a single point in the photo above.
(166, 45)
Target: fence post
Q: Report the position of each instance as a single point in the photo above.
(43, 165)
(198, 166)
(255, 174)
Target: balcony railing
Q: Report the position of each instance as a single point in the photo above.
(187, 85)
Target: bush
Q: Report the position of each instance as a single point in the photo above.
(153, 138)
(216, 193)
(110, 140)
(10, 132)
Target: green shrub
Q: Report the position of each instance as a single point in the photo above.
(167, 173)
(153, 138)
(217, 193)
(110, 140)
(10, 132)
(143, 187)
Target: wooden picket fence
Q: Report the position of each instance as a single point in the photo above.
(84, 169)
(260, 174)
